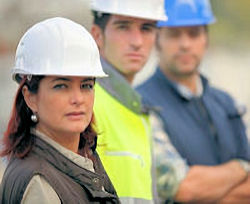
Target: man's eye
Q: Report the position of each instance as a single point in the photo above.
(60, 86)
(148, 28)
(87, 86)
(122, 27)
(173, 34)
(194, 33)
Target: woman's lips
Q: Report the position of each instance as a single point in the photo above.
(75, 115)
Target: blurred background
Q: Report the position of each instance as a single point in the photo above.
(227, 63)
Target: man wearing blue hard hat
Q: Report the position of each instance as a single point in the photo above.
(202, 123)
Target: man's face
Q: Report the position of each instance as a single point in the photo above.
(126, 43)
(181, 49)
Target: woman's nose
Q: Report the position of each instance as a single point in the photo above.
(76, 97)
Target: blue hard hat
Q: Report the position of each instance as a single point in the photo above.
(187, 13)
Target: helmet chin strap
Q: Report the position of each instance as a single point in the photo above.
(29, 77)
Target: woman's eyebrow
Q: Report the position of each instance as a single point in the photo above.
(88, 79)
(61, 79)
(68, 79)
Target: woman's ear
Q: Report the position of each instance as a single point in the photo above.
(97, 34)
(30, 99)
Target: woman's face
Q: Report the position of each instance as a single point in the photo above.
(64, 105)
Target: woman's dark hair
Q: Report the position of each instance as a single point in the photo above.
(17, 140)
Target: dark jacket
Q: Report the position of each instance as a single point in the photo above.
(72, 183)
(206, 130)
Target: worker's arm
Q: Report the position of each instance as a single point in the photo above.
(239, 194)
(201, 184)
(210, 183)
(170, 167)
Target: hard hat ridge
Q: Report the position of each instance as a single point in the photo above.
(57, 46)
(146, 9)
(187, 13)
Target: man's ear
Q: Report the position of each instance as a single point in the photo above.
(157, 40)
(30, 99)
(98, 35)
(207, 42)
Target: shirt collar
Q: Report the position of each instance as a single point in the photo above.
(187, 93)
(183, 91)
(76, 158)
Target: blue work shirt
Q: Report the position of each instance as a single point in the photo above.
(206, 130)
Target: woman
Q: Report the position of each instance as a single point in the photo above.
(49, 141)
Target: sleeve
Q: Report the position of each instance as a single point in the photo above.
(171, 168)
(235, 112)
(40, 192)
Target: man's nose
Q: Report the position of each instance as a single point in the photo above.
(136, 38)
(185, 41)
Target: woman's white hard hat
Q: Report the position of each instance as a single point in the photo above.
(146, 9)
(57, 46)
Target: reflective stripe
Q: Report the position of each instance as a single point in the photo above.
(135, 201)
(147, 128)
(135, 156)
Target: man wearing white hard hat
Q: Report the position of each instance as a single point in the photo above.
(125, 33)
(203, 123)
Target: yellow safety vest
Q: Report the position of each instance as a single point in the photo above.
(124, 146)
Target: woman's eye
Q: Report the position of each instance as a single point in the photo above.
(60, 86)
(87, 86)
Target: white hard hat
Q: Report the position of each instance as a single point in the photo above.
(57, 46)
(147, 9)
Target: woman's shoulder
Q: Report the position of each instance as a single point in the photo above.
(26, 167)
(39, 191)
(18, 175)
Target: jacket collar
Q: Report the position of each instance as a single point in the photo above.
(118, 87)
(92, 181)
(181, 90)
